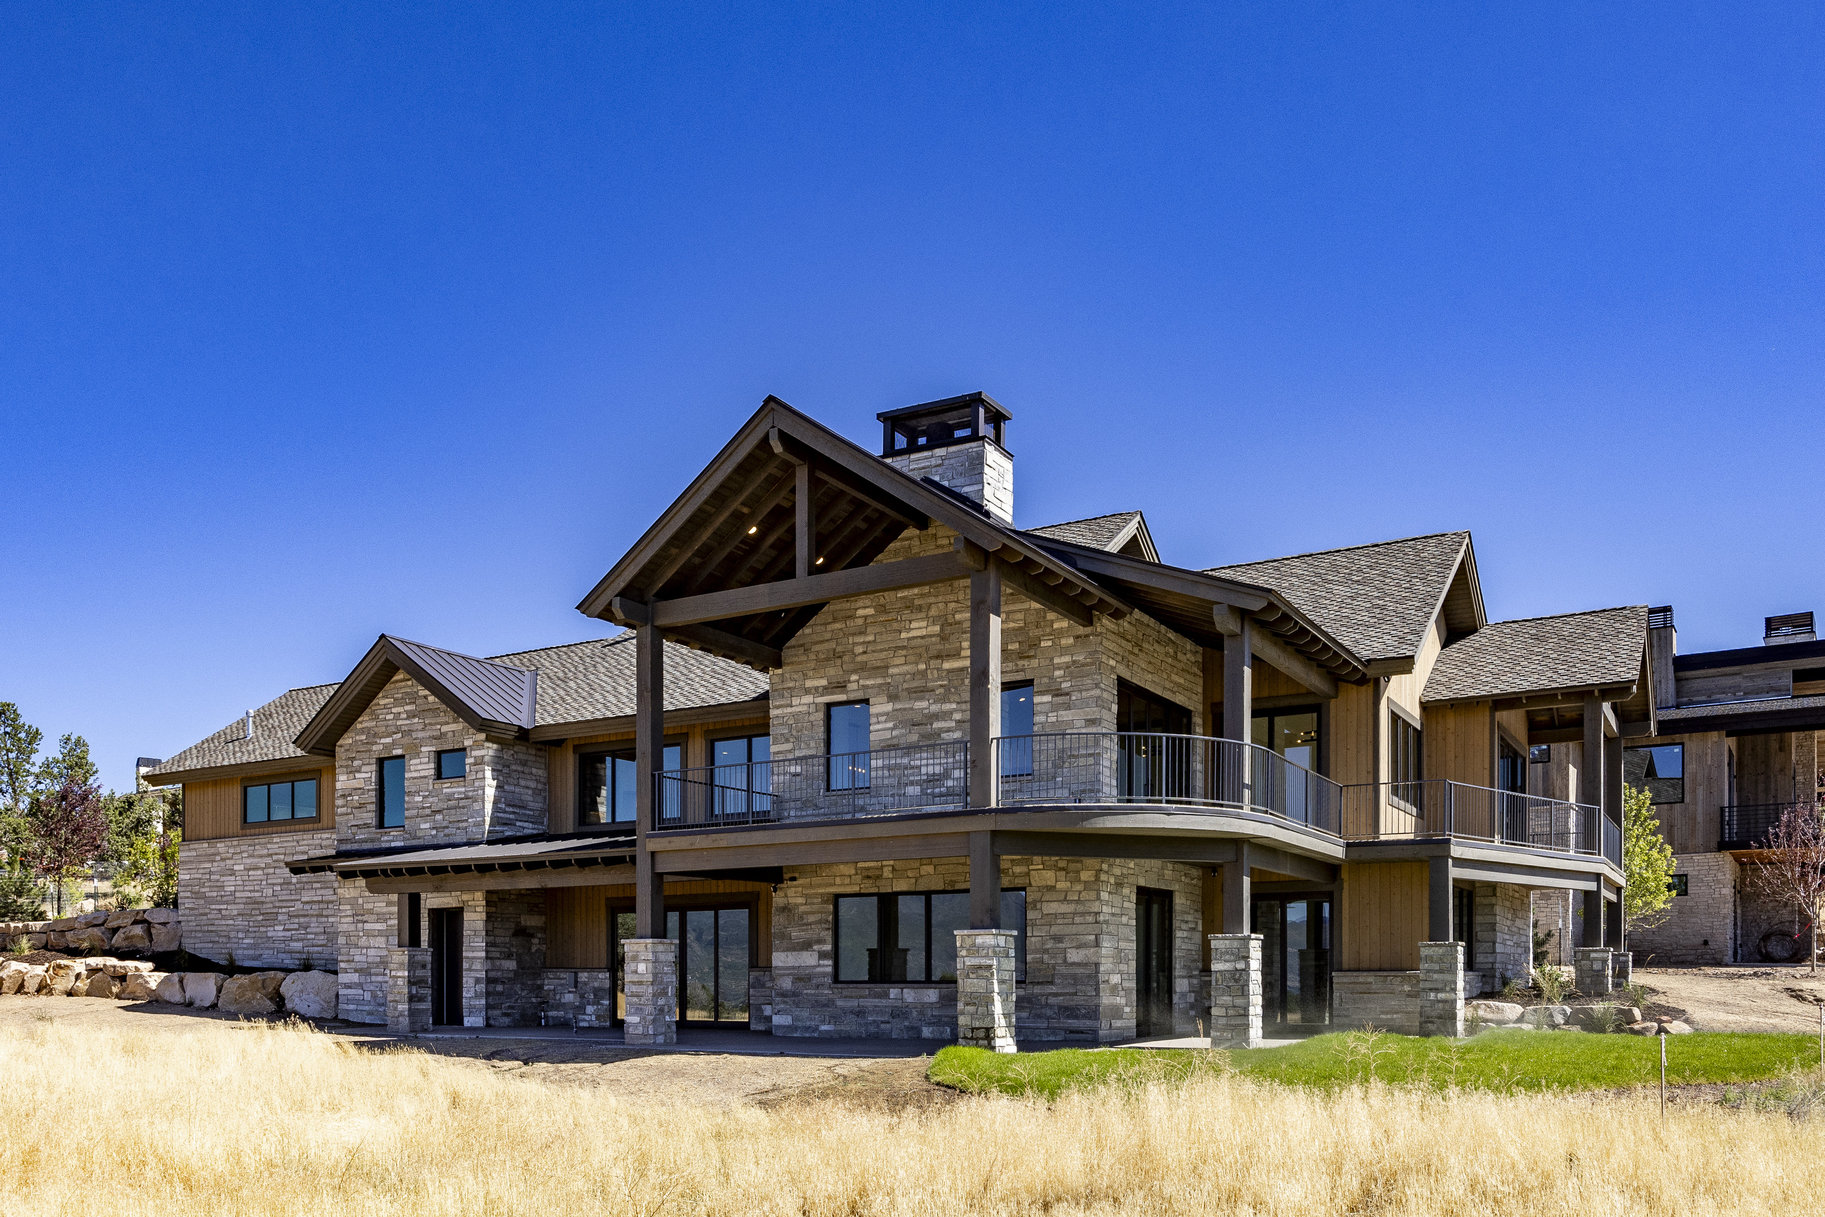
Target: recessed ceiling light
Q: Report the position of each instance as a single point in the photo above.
(752, 529)
(819, 562)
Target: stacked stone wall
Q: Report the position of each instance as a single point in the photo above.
(406, 719)
(977, 469)
(1386, 1001)
(1701, 925)
(239, 901)
(1501, 936)
(518, 791)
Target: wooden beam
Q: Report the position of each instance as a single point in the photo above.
(1239, 683)
(592, 874)
(1591, 932)
(629, 612)
(1041, 593)
(649, 751)
(730, 646)
(985, 882)
(801, 516)
(1236, 893)
(1166, 578)
(1282, 657)
(716, 521)
(811, 589)
(1285, 862)
(985, 685)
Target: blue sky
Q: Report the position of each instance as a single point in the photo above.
(325, 322)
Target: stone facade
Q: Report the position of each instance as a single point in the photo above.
(1591, 971)
(985, 989)
(760, 999)
(1235, 990)
(367, 932)
(1701, 926)
(978, 469)
(241, 905)
(1441, 988)
(1080, 980)
(1553, 915)
(579, 997)
(1501, 935)
(503, 794)
(1386, 1001)
(408, 981)
(650, 971)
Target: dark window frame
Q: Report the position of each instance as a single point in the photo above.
(1406, 757)
(316, 782)
(886, 914)
(1463, 923)
(380, 791)
(623, 750)
(754, 797)
(437, 771)
(1658, 785)
(853, 776)
(1680, 885)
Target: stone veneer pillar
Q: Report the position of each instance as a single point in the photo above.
(1441, 988)
(1591, 971)
(408, 989)
(1235, 990)
(649, 978)
(1622, 968)
(985, 989)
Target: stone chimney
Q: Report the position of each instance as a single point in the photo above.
(1663, 644)
(1788, 627)
(960, 444)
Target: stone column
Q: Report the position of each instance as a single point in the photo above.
(1441, 988)
(985, 989)
(649, 979)
(1591, 971)
(1622, 968)
(1235, 990)
(408, 989)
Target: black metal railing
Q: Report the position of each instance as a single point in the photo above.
(1076, 767)
(1746, 825)
(1436, 808)
(835, 786)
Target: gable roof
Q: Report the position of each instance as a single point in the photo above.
(275, 724)
(586, 681)
(1603, 648)
(493, 698)
(735, 524)
(1124, 532)
(1379, 599)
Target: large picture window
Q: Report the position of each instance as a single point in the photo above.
(270, 801)
(846, 727)
(606, 791)
(743, 776)
(1660, 769)
(390, 792)
(912, 936)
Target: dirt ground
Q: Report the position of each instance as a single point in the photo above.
(1762, 998)
(895, 1083)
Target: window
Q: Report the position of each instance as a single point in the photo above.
(1463, 912)
(912, 936)
(270, 801)
(1149, 764)
(1659, 768)
(1017, 729)
(1292, 733)
(390, 789)
(606, 788)
(452, 763)
(846, 727)
(1680, 885)
(1539, 754)
(743, 779)
(1404, 759)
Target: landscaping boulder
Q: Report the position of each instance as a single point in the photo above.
(90, 938)
(95, 984)
(1494, 1013)
(1547, 1016)
(202, 988)
(34, 979)
(123, 967)
(161, 916)
(248, 995)
(164, 937)
(140, 986)
(1675, 1027)
(60, 924)
(36, 942)
(1643, 1027)
(123, 917)
(12, 975)
(133, 938)
(311, 994)
(56, 940)
(89, 920)
(170, 988)
(63, 977)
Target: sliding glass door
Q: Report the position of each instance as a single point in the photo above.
(715, 949)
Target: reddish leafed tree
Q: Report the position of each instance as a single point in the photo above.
(66, 831)
(1791, 868)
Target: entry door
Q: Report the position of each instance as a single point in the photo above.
(1153, 962)
(447, 967)
(1295, 959)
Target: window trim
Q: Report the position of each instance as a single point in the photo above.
(1681, 779)
(610, 749)
(830, 752)
(437, 764)
(281, 779)
(1680, 885)
(1014, 757)
(881, 923)
(380, 792)
(1396, 717)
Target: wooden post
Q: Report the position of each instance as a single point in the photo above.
(1236, 893)
(1238, 711)
(649, 754)
(1378, 752)
(985, 686)
(985, 883)
(1438, 899)
(1592, 933)
(1590, 772)
(801, 507)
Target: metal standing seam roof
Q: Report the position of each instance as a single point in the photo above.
(1540, 654)
(538, 851)
(1379, 599)
(495, 691)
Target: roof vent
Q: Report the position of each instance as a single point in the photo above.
(1788, 627)
(247, 725)
(1661, 618)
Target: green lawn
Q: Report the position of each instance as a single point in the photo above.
(1498, 1060)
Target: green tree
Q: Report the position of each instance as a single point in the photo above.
(21, 896)
(70, 763)
(1647, 863)
(144, 829)
(66, 832)
(19, 742)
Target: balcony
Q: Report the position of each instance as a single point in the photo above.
(1392, 811)
(1076, 768)
(1746, 825)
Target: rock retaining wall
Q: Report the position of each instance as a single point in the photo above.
(307, 994)
(122, 932)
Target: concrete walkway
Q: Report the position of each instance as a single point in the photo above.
(690, 1040)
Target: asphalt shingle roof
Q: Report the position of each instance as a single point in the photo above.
(1379, 600)
(577, 682)
(1760, 705)
(1535, 654)
(1097, 532)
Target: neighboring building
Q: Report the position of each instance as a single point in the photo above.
(1738, 746)
(882, 763)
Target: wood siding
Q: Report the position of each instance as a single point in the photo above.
(1458, 744)
(1381, 917)
(212, 810)
(576, 918)
(1353, 734)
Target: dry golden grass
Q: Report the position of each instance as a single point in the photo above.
(218, 1119)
